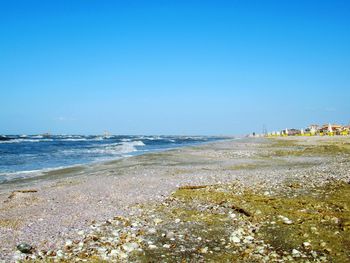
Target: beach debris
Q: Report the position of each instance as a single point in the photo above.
(285, 220)
(152, 246)
(296, 253)
(129, 247)
(241, 210)
(157, 221)
(25, 248)
(13, 193)
(237, 235)
(306, 244)
(170, 235)
(192, 187)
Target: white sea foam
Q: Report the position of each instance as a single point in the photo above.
(73, 139)
(9, 176)
(38, 136)
(26, 140)
(119, 148)
(152, 138)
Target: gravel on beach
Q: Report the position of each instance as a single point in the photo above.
(194, 204)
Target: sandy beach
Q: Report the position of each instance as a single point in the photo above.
(69, 205)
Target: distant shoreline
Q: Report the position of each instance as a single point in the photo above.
(73, 170)
(45, 172)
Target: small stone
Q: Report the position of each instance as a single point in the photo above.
(94, 238)
(248, 239)
(81, 232)
(129, 247)
(234, 239)
(166, 246)
(177, 220)
(68, 243)
(59, 253)
(24, 248)
(232, 215)
(287, 221)
(295, 253)
(152, 247)
(327, 250)
(306, 244)
(123, 255)
(114, 253)
(152, 231)
(204, 250)
(102, 250)
(157, 221)
(170, 235)
(313, 229)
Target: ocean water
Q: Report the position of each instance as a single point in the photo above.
(29, 156)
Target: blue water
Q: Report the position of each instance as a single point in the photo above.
(27, 156)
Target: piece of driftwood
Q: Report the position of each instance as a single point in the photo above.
(12, 195)
(241, 210)
(192, 187)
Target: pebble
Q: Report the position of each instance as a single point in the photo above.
(24, 248)
(248, 239)
(68, 243)
(204, 250)
(234, 238)
(59, 253)
(129, 247)
(306, 244)
(170, 235)
(152, 247)
(114, 253)
(152, 231)
(295, 253)
(157, 221)
(285, 220)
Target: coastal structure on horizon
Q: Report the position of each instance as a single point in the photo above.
(312, 130)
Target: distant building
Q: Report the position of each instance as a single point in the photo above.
(331, 128)
(312, 129)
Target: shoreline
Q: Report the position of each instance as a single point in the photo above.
(116, 187)
(72, 170)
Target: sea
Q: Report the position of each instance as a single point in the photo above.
(24, 156)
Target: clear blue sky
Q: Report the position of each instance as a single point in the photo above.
(172, 67)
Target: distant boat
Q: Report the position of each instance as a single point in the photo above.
(106, 135)
(46, 135)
